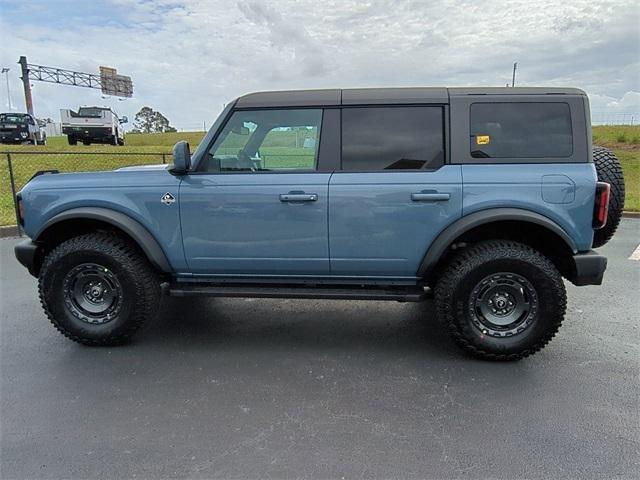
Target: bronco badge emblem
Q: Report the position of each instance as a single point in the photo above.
(168, 199)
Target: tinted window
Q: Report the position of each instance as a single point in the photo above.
(520, 130)
(90, 112)
(265, 140)
(392, 138)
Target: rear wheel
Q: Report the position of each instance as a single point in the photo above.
(609, 170)
(86, 142)
(98, 289)
(72, 140)
(501, 300)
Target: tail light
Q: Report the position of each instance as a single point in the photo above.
(601, 208)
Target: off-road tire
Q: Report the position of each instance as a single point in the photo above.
(466, 270)
(86, 143)
(609, 170)
(140, 287)
(72, 140)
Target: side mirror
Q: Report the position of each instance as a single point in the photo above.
(181, 158)
(124, 119)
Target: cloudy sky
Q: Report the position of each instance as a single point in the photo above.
(187, 58)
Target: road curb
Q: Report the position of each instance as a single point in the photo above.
(631, 214)
(9, 231)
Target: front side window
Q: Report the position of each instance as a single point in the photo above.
(520, 130)
(266, 140)
(392, 138)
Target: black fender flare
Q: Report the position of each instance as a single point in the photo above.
(466, 223)
(131, 227)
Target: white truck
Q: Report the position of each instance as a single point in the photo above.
(93, 125)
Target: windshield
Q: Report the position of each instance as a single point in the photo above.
(91, 112)
(14, 118)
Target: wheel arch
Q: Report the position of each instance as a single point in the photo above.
(506, 223)
(84, 219)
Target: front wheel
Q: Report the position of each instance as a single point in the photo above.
(501, 300)
(98, 289)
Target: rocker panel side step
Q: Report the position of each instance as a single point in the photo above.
(414, 294)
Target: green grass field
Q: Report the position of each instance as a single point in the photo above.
(149, 149)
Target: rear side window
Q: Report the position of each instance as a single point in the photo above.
(392, 138)
(521, 130)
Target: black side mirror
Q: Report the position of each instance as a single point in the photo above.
(124, 119)
(181, 158)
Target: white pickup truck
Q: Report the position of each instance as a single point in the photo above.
(92, 125)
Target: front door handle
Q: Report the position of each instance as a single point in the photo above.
(298, 197)
(430, 197)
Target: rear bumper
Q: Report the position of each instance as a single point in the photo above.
(27, 253)
(589, 268)
(88, 133)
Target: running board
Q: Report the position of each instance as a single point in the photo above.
(413, 294)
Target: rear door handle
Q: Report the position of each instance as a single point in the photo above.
(430, 197)
(298, 197)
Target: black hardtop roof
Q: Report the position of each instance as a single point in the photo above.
(372, 96)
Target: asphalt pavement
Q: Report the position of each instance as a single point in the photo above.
(241, 388)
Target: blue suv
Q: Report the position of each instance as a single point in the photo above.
(483, 198)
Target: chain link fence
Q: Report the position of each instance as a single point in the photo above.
(17, 168)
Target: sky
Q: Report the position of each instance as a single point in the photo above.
(188, 58)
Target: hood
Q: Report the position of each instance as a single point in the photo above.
(161, 166)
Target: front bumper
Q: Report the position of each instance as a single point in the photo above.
(27, 252)
(589, 268)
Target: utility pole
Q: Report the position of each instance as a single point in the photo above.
(513, 78)
(5, 70)
(28, 99)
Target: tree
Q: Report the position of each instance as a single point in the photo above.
(148, 120)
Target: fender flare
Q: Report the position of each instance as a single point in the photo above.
(131, 227)
(468, 222)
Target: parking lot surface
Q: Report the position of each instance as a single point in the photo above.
(239, 388)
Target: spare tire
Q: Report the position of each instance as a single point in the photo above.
(609, 170)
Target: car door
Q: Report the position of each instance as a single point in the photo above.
(394, 192)
(257, 204)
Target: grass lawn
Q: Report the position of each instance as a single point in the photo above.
(148, 149)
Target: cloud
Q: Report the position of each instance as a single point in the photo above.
(187, 58)
(286, 35)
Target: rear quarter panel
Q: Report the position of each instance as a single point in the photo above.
(563, 193)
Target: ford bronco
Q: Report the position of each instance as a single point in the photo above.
(483, 198)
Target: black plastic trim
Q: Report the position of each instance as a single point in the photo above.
(589, 268)
(26, 252)
(415, 294)
(466, 223)
(131, 227)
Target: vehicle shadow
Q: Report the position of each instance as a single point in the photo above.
(314, 325)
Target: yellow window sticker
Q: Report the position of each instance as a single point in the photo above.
(482, 139)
